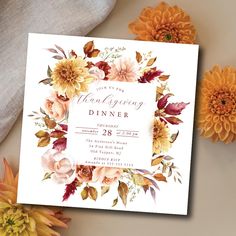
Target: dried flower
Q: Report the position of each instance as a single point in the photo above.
(71, 76)
(161, 137)
(70, 189)
(164, 23)
(16, 219)
(217, 104)
(84, 173)
(124, 70)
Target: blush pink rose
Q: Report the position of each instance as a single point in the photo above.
(106, 175)
(54, 161)
(97, 73)
(56, 107)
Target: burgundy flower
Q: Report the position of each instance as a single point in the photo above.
(70, 189)
(150, 75)
(102, 65)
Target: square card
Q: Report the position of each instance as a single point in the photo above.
(107, 124)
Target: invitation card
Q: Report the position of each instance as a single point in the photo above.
(107, 124)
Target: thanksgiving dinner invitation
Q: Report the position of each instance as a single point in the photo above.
(107, 124)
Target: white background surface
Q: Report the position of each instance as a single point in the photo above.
(212, 189)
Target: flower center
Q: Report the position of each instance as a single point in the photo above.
(14, 221)
(222, 102)
(167, 33)
(67, 73)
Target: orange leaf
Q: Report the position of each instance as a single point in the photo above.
(94, 53)
(138, 57)
(141, 180)
(163, 77)
(49, 123)
(151, 61)
(88, 47)
(157, 160)
(92, 193)
(123, 192)
(160, 177)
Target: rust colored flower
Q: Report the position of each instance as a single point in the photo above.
(217, 104)
(164, 23)
(16, 219)
(84, 173)
(161, 137)
(102, 65)
(70, 77)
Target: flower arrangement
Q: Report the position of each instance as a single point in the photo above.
(17, 219)
(71, 75)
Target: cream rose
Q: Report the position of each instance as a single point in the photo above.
(56, 162)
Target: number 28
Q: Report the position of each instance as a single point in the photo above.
(107, 132)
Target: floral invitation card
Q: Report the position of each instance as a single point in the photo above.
(107, 124)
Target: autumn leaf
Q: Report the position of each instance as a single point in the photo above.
(104, 189)
(163, 101)
(44, 141)
(151, 61)
(52, 50)
(164, 77)
(84, 193)
(175, 108)
(94, 53)
(160, 177)
(92, 193)
(123, 192)
(88, 47)
(60, 144)
(140, 180)
(115, 201)
(138, 57)
(145, 188)
(49, 72)
(153, 193)
(174, 137)
(46, 81)
(157, 160)
(173, 120)
(57, 57)
(57, 134)
(41, 134)
(49, 122)
(61, 50)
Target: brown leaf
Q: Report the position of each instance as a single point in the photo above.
(92, 193)
(52, 50)
(151, 61)
(61, 50)
(94, 53)
(88, 47)
(115, 202)
(160, 177)
(141, 180)
(84, 193)
(123, 192)
(41, 134)
(163, 77)
(49, 123)
(157, 160)
(138, 57)
(173, 120)
(174, 137)
(145, 188)
(57, 57)
(46, 81)
(57, 134)
(44, 141)
(104, 189)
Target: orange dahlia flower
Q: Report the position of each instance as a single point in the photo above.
(217, 104)
(16, 219)
(164, 23)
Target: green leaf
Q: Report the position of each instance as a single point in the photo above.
(84, 193)
(49, 72)
(47, 176)
(115, 201)
(46, 81)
